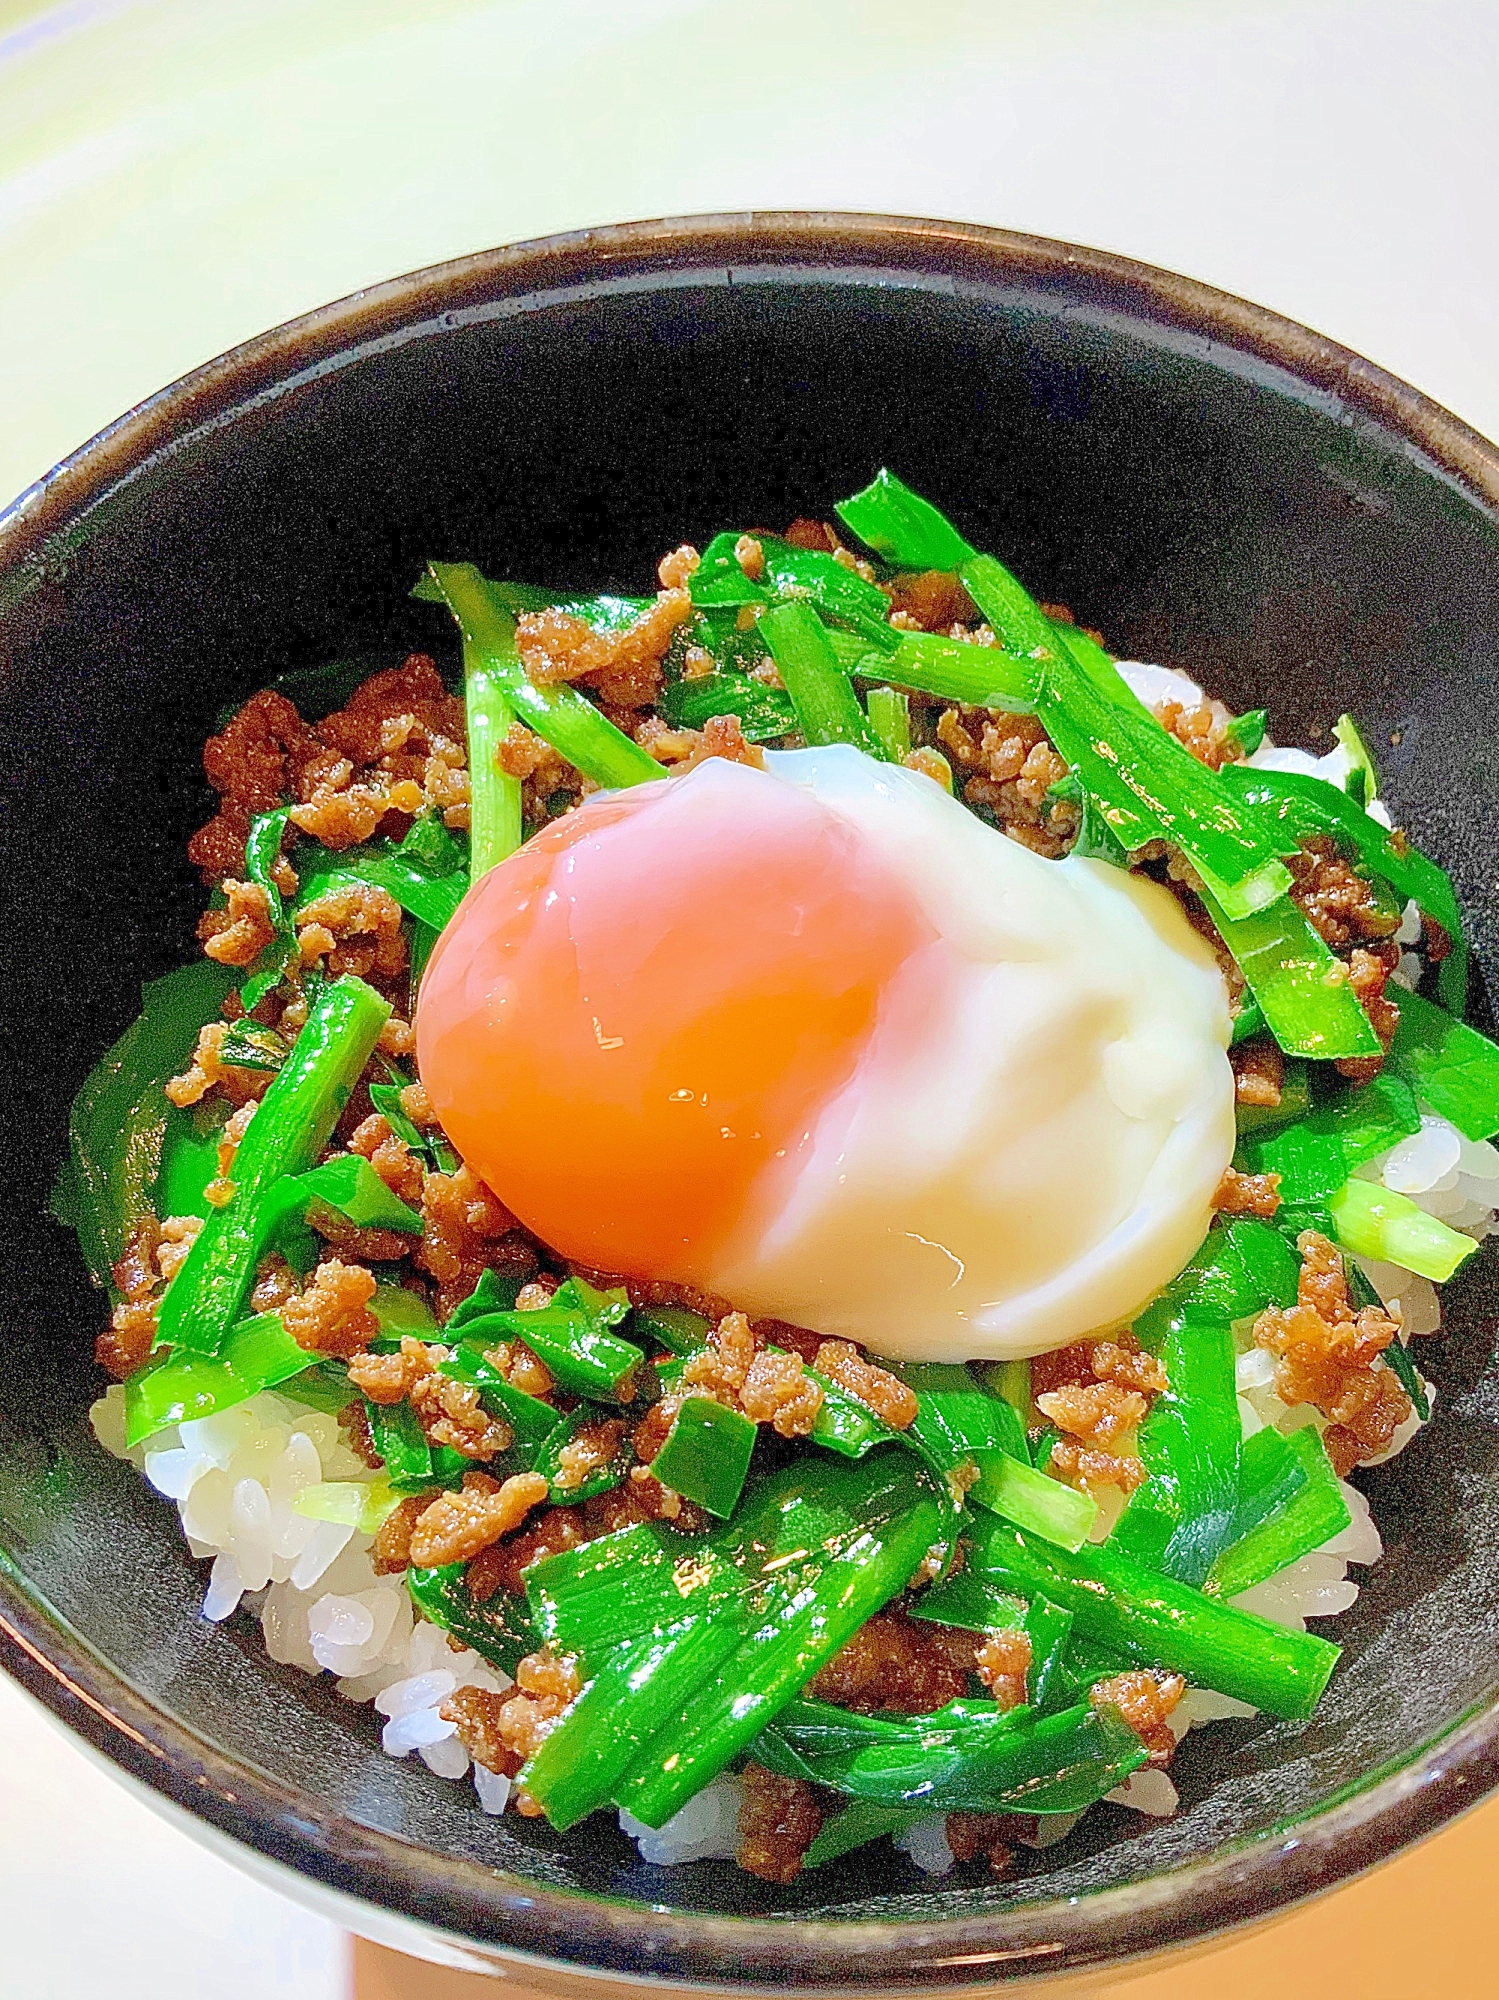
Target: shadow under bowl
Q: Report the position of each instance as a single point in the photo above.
(1208, 485)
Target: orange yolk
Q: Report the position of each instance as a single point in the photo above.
(650, 1001)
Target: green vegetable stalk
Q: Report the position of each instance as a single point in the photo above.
(494, 796)
(285, 1136)
(821, 692)
(1128, 1609)
(559, 715)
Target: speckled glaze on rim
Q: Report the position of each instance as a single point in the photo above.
(530, 1925)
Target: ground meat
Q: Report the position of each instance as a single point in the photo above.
(625, 667)
(931, 764)
(1014, 766)
(1329, 1356)
(341, 814)
(451, 1413)
(588, 1451)
(778, 1391)
(374, 1246)
(178, 1235)
(900, 1663)
(1259, 1071)
(1247, 1194)
(392, 1551)
(391, 1158)
(779, 1818)
(239, 933)
(892, 1402)
(1099, 1413)
(720, 1369)
(682, 750)
(254, 765)
(208, 1072)
(1076, 1375)
(465, 1231)
(805, 533)
(456, 1526)
(1368, 974)
(125, 1344)
(354, 1421)
(1341, 905)
(354, 928)
(549, 784)
(275, 1283)
(1202, 730)
(521, 1368)
(1144, 1698)
(417, 1106)
(220, 1190)
(930, 601)
(390, 1378)
(1002, 1663)
(502, 1731)
(502, 1566)
(674, 569)
(1088, 1468)
(972, 1834)
(652, 1430)
(477, 1713)
(332, 1315)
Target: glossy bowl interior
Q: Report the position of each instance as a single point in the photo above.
(1209, 486)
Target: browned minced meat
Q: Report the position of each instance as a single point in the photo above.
(1202, 730)
(220, 1190)
(503, 1564)
(466, 1231)
(1098, 1412)
(125, 1344)
(1329, 1356)
(1013, 766)
(254, 764)
(521, 1368)
(354, 928)
(929, 601)
(354, 1422)
(1368, 975)
(772, 1388)
(397, 745)
(682, 750)
(1341, 905)
(239, 932)
(153, 1254)
(587, 1451)
(1247, 1194)
(332, 1315)
(456, 1526)
(625, 667)
(450, 1413)
(391, 1158)
(275, 1283)
(900, 1663)
(1002, 1663)
(1096, 1390)
(892, 1402)
(1144, 1698)
(392, 1551)
(779, 1818)
(1087, 1467)
(208, 1072)
(972, 1834)
(477, 1713)
(544, 774)
(1259, 1071)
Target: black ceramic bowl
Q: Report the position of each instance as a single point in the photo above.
(1207, 484)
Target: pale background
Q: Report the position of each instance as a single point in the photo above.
(177, 175)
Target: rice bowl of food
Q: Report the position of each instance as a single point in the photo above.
(791, 1218)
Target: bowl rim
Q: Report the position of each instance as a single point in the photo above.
(529, 1926)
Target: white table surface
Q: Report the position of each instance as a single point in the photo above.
(177, 175)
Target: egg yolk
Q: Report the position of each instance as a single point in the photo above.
(651, 1000)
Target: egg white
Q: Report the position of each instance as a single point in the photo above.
(1029, 1147)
